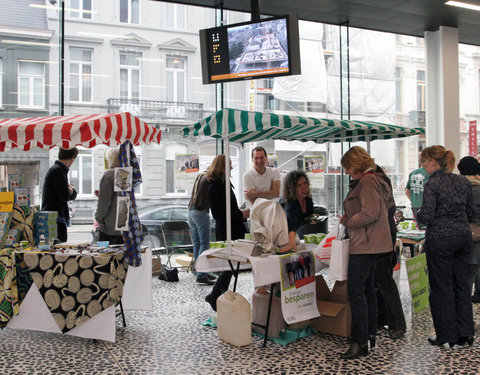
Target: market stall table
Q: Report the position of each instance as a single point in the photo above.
(56, 309)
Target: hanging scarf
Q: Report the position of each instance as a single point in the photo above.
(133, 237)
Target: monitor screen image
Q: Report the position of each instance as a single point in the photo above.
(259, 49)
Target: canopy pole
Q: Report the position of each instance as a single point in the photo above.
(228, 197)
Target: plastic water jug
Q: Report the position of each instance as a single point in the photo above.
(260, 301)
(233, 319)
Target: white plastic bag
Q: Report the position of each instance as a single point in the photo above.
(323, 250)
(339, 260)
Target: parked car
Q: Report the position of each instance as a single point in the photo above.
(152, 219)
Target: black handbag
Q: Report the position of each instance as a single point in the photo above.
(168, 274)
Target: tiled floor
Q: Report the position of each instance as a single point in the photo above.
(171, 340)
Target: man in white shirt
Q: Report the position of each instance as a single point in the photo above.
(261, 181)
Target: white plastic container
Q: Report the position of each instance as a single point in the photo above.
(234, 319)
(260, 300)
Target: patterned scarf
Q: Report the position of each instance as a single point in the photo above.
(134, 236)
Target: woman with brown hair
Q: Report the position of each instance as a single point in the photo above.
(446, 210)
(298, 204)
(217, 199)
(366, 222)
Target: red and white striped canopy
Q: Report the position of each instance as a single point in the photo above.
(75, 130)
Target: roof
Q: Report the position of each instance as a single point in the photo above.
(407, 17)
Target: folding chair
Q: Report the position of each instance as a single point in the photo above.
(177, 237)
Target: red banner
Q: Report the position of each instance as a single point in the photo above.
(472, 138)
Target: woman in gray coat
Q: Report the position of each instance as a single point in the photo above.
(470, 168)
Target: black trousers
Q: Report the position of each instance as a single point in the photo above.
(222, 283)
(450, 300)
(114, 240)
(62, 232)
(387, 288)
(361, 295)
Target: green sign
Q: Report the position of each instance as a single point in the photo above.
(418, 280)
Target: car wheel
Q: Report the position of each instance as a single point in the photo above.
(151, 241)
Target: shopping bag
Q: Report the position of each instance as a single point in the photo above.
(323, 250)
(339, 260)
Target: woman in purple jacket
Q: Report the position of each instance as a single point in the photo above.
(366, 221)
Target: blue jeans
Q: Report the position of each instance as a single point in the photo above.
(200, 224)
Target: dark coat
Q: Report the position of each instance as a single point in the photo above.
(217, 199)
(55, 195)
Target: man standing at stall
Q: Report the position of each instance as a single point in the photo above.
(261, 181)
(414, 190)
(57, 191)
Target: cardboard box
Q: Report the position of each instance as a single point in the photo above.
(333, 306)
(184, 260)
(156, 265)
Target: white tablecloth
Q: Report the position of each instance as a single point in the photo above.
(266, 269)
(137, 295)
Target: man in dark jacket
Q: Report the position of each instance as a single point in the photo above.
(57, 191)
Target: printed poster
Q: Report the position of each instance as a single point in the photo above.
(186, 171)
(418, 279)
(6, 201)
(123, 179)
(123, 213)
(299, 301)
(315, 166)
(272, 161)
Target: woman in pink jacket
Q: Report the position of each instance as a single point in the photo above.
(366, 222)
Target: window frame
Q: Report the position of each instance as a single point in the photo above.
(80, 76)
(84, 154)
(175, 72)
(176, 14)
(129, 12)
(31, 84)
(83, 14)
(130, 69)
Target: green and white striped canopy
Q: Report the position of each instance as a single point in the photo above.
(248, 126)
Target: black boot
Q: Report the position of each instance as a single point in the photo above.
(355, 350)
(372, 341)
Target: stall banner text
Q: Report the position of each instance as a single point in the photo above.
(418, 279)
(299, 301)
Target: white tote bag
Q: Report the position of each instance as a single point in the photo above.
(339, 260)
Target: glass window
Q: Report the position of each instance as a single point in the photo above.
(398, 89)
(129, 75)
(160, 214)
(1, 82)
(179, 213)
(81, 173)
(176, 71)
(130, 11)
(81, 9)
(175, 16)
(81, 75)
(171, 150)
(31, 84)
(421, 90)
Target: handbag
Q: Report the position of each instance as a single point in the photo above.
(475, 228)
(339, 260)
(168, 274)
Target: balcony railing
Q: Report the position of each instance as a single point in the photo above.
(152, 110)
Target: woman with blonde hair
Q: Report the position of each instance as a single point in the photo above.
(366, 221)
(446, 210)
(217, 199)
(106, 213)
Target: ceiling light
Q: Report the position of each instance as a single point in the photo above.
(66, 9)
(106, 35)
(464, 5)
(22, 42)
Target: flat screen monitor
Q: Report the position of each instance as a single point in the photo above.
(257, 49)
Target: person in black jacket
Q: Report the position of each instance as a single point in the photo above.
(57, 191)
(217, 199)
(389, 305)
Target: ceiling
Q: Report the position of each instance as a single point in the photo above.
(408, 17)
